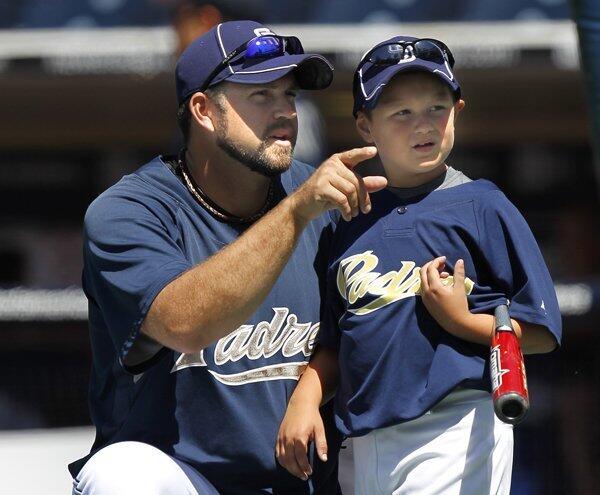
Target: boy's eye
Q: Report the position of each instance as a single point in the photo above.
(260, 92)
(437, 108)
(402, 113)
(292, 93)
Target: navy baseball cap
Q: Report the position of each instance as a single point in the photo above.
(400, 54)
(224, 47)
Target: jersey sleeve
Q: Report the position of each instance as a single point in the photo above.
(331, 307)
(516, 265)
(130, 254)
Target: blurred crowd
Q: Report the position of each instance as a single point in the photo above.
(108, 13)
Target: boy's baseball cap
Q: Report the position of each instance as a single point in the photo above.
(203, 56)
(370, 78)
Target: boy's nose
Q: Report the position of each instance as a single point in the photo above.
(424, 124)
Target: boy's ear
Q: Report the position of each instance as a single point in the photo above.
(458, 106)
(363, 126)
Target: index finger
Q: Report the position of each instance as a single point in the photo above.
(353, 157)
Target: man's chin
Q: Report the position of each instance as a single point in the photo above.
(279, 157)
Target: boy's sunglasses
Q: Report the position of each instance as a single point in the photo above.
(266, 46)
(424, 49)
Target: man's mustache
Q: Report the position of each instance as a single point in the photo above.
(281, 126)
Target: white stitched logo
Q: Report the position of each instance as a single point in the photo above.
(283, 334)
(496, 370)
(263, 31)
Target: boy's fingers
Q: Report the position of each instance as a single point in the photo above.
(459, 274)
(423, 274)
(432, 274)
(433, 270)
(302, 460)
(354, 156)
(321, 442)
(288, 461)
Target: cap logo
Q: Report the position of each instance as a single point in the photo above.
(409, 53)
(263, 31)
(450, 75)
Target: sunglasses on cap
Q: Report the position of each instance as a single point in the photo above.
(392, 53)
(261, 47)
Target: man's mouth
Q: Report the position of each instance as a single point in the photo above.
(281, 136)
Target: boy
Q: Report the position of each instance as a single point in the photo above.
(405, 343)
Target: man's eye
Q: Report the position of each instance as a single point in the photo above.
(293, 94)
(261, 92)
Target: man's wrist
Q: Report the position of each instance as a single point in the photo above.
(293, 206)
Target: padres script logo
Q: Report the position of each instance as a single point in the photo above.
(356, 279)
(282, 334)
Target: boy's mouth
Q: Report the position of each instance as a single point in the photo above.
(426, 146)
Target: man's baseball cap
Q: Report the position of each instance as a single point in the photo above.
(400, 54)
(204, 55)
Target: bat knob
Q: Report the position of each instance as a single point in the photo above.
(511, 408)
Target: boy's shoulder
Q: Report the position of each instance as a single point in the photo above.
(481, 191)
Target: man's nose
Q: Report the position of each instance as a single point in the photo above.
(284, 108)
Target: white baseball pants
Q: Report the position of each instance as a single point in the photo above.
(459, 447)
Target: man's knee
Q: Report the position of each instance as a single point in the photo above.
(131, 468)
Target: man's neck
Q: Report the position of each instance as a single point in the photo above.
(228, 183)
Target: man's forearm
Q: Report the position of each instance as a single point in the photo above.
(217, 296)
(212, 299)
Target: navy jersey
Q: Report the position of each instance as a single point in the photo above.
(396, 361)
(219, 409)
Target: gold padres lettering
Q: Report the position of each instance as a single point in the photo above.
(356, 278)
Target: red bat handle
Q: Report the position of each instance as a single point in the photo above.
(507, 369)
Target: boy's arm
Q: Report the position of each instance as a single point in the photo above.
(449, 306)
(302, 422)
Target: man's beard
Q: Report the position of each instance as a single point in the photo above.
(259, 159)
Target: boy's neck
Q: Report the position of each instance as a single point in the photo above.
(415, 180)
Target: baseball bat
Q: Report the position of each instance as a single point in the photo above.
(507, 369)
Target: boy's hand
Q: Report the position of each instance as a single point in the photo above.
(446, 303)
(335, 185)
(301, 425)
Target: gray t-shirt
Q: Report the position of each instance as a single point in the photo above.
(450, 178)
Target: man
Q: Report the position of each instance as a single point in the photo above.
(193, 18)
(201, 275)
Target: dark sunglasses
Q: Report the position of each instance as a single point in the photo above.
(424, 49)
(261, 47)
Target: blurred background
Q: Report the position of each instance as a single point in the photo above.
(87, 95)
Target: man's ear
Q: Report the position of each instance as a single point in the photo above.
(201, 111)
(363, 126)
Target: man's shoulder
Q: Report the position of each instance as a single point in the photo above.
(149, 189)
